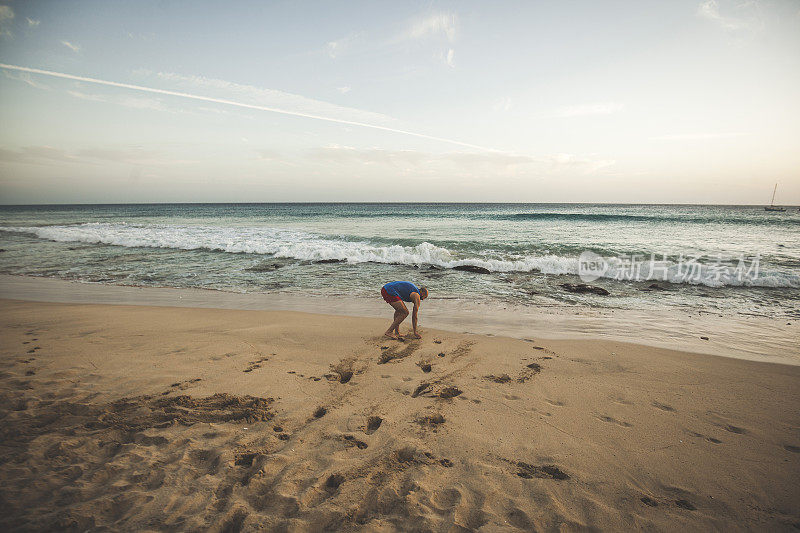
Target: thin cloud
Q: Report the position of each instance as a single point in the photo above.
(35, 155)
(47, 155)
(123, 100)
(449, 60)
(273, 98)
(6, 17)
(439, 27)
(336, 48)
(32, 23)
(600, 108)
(461, 163)
(747, 16)
(344, 90)
(25, 78)
(234, 103)
(71, 46)
(437, 24)
(503, 104)
(696, 136)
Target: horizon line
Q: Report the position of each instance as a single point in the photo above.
(379, 202)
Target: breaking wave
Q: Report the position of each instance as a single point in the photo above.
(304, 246)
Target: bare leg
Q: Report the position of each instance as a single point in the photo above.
(400, 314)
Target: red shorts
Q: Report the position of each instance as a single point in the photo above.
(388, 297)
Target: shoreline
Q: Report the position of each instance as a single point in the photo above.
(135, 417)
(749, 338)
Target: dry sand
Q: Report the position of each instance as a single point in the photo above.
(157, 418)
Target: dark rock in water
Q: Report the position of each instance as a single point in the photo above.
(583, 288)
(2, 249)
(326, 261)
(472, 268)
(704, 338)
(656, 287)
(264, 267)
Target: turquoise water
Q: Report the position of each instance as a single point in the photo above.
(719, 259)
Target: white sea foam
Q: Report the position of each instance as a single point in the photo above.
(294, 244)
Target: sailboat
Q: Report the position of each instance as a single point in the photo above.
(772, 203)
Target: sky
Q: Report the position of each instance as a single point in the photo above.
(534, 101)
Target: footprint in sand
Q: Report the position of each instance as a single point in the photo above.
(393, 354)
(255, 364)
(431, 420)
(790, 448)
(373, 423)
(449, 392)
(612, 420)
(421, 389)
(205, 461)
(530, 370)
(734, 429)
(517, 518)
(709, 439)
(352, 441)
(342, 371)
(245, 459)
(333, 482)
(182, 385)
(528, 471)
(557, 403)
(685, 504)
(663, 407)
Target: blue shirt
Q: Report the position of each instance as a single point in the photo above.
(403, 289)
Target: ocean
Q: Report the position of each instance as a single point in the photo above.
(726, 260)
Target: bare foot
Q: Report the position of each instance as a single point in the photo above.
(415, 335)
(393, 335)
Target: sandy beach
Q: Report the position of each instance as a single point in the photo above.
(161, 418)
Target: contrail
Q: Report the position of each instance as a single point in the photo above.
(237, 104)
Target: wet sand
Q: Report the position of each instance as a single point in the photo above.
(156, 418)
